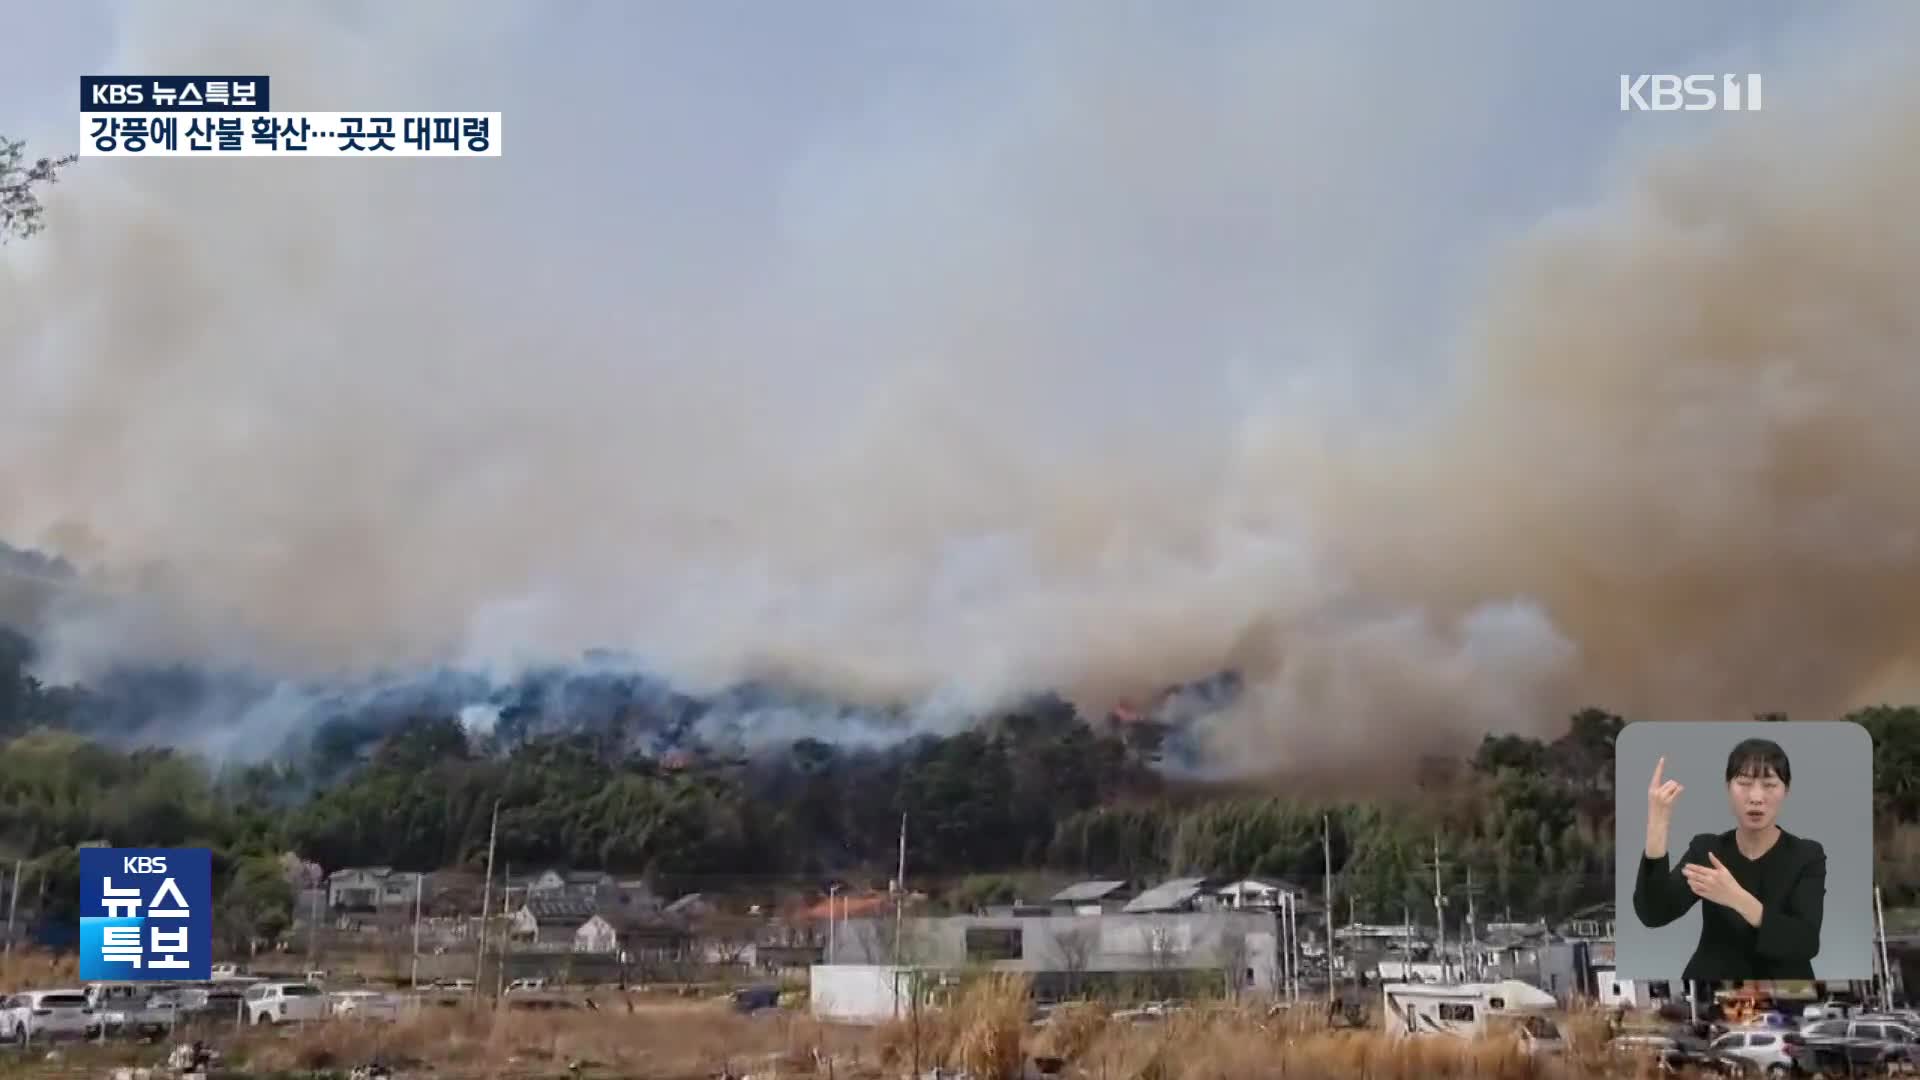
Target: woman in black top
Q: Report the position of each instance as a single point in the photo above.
(1764, 887)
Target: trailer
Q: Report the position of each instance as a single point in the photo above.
(1509, 1008)
(860, 993)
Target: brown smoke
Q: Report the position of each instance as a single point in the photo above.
(1667, 470)
(1684, 432)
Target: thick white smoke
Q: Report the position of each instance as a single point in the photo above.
(1123, 371)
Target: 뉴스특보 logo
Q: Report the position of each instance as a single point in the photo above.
(146, 914)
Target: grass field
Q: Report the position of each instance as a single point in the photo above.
(986, 1034)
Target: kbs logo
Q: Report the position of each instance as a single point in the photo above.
(146, 914)
(1689, 93)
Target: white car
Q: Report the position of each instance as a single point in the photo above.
(35, 1015)
(365, 1005)
(1827, 1010)
(284, 1002)
(1774, 1051)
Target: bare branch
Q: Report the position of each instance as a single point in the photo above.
(20, 210)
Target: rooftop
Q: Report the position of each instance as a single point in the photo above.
(1086, 892)
(560, 910)
(1166, 896)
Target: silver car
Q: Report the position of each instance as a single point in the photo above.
(1775, 1052)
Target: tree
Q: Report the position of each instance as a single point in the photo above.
(20, 211)
(728, 938)
(1076, 948)
(1163, 947)
(256, 904)
(1234, 953)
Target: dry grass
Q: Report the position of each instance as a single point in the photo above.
(1225, 1042)
(35, 969)
(986, 1033)
(981, 1034)
(677, 1040)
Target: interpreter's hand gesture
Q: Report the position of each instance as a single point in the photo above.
(1661, 795)
(1715, 883)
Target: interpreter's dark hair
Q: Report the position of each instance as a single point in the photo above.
(1757, 758)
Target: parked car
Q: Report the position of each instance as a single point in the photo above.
(1830, 1009)
(754, 998)
(1680, 1053)
(284, 1002)
(1774, 1052)
(216, 1002)
(151, 1018)
(1864, 1044)
(38, 1015)
(365, 1005)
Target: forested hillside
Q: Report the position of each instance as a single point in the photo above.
(1042, 788)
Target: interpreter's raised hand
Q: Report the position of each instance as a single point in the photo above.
(1661, 795)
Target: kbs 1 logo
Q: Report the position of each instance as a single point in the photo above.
(146, 914)
(1689, 93)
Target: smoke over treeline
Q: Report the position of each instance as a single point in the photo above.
(1120, 373)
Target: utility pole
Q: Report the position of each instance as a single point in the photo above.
(506, 939)
(13, 905)
(1406, 926)
(1439, 909)
(313, 932)
(486, 901)
(416, 929)
(1326, 853)
(1294, 914)
(900, 897)
(832, 891)
(1473, 930)
(1886, 969)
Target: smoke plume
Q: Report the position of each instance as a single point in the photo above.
(1146, 361)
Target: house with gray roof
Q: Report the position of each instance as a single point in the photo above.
(1265, 894)
(1091, 898)
(549, 922)
(1177, 895)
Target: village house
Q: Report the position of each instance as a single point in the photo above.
(1170, 897)
(1265, 894)
(574, 924)
(1091, 898)
(595, 886)
(1591, 924)
(549, 923)
(371, 888)
(597, 935)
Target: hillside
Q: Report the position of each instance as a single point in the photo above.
(1037, 789)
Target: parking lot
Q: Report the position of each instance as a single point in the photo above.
(107, 1011)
